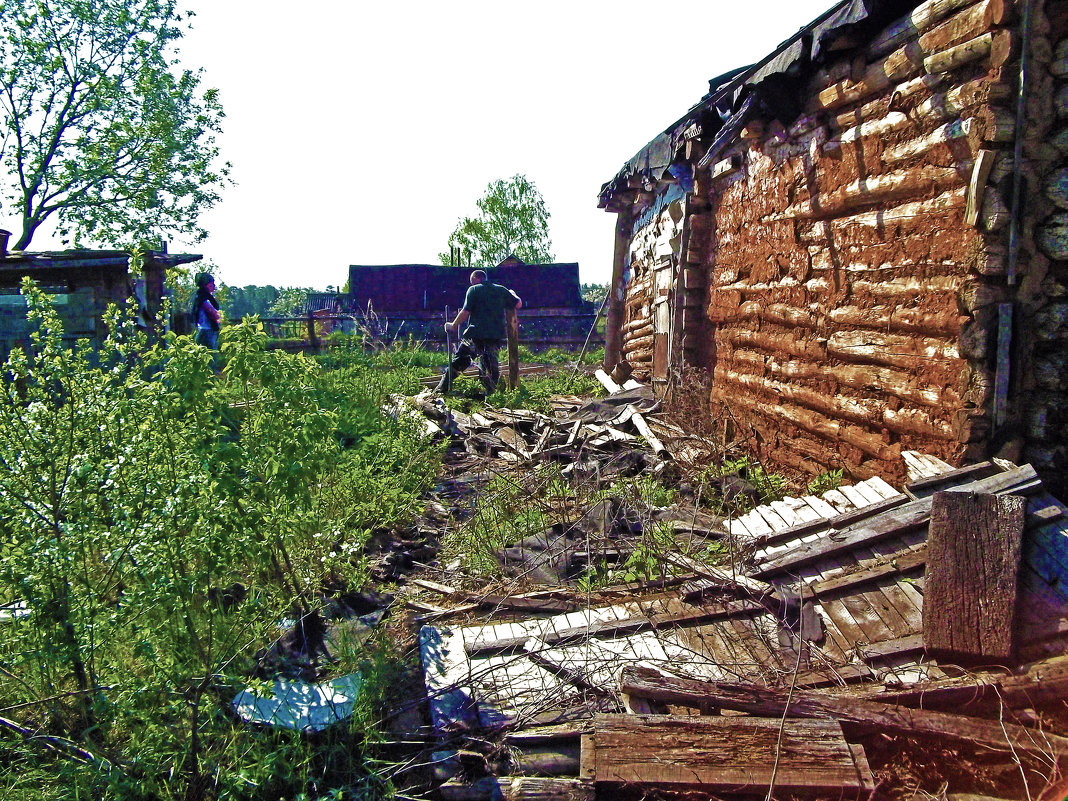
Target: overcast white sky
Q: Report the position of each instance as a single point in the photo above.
(361, 132)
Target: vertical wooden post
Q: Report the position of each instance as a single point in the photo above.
(512, 319)
(313, 340)
(613, 329)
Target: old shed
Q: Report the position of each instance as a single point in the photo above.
(862, 240)
(82, 283)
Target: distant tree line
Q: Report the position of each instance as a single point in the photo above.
(263, 301)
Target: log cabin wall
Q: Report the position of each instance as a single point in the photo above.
(858, 258)
(866, 271)
(652, 258)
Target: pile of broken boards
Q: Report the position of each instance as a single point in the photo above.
(874, 644)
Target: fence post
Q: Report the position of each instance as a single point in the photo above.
(313, 340)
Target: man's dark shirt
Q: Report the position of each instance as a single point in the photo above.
(486, 303)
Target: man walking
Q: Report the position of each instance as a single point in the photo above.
(484, 305)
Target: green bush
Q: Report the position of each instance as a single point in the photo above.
(134, 484)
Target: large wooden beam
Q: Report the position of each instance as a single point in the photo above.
(714, 754)
(974, 546)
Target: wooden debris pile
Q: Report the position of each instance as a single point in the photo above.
(841, 659)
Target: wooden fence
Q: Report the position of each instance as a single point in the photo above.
(314, 332)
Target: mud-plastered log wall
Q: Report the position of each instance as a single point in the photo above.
(653, 254)
(857, 259)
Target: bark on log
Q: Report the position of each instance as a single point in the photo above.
(974, 547)
(967, 24)
(866, 716)
(996, 46)
(900, 64)
(920, 19)
(1053, 236)
(916, 214)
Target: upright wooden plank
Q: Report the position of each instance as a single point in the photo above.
(973, 564)
(512, 320)
(724, 754)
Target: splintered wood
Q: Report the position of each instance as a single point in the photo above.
(973, 563)
(725, 754)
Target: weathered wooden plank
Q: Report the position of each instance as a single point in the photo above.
(895, 521)
(867, 618)
(851, 633)
(929, 485)
(891, 649)
(822, 508)
(894, 619)
(838, 501)
(861, 714)
(974, 546)
(887, 567)
(563, 633)
(855, 496)
(723, 754)
(838, 522)
(885, 490)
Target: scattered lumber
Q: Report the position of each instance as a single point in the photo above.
(858, 714)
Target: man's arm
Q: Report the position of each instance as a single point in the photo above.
(460, 319)
(518, 300)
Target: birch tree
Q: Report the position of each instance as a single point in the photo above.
(512, 219)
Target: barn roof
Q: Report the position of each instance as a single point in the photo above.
(769, 87)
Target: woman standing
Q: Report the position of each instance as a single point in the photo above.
(206, 312)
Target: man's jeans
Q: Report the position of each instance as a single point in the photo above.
(489, 370)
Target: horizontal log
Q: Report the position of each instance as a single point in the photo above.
(880, 128)
(637, 343)
(901, 384)
(772, 342)
(867, 716)
(901, 63)
(910, 149)
(1039, 684)
(872, 190)
(962, 26)
(996, 47)
(898, 319)
(920, 19)
(645, 329)
(883, 348)
(919, 213)
(878, 108)
(818, 424)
